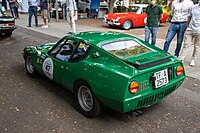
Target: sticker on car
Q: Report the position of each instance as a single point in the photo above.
(47, 67)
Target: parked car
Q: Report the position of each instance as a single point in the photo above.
(7, 24)
(107, 69)
(136, 17)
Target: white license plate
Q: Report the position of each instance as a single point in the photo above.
(109, 22)
(161, 78)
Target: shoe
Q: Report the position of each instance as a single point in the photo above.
(45, 26)
(71, 32)
(192, 62)
(181, 58)
(28, 26)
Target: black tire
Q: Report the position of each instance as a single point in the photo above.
(111, 26)
(8, 33)
(127, 25)
(29, 66)
(88, 104)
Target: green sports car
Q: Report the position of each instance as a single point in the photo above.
(107, 69)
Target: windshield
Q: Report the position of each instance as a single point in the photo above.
(134, 9)
(125, 49)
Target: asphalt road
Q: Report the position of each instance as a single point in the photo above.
(38, 105)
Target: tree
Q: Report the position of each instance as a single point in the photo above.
(111, 5)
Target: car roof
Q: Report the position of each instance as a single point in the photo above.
(98, 38)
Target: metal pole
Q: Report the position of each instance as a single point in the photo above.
(56, 6)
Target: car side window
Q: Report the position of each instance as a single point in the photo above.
(80, 52)
(64, 49)
(55, 50)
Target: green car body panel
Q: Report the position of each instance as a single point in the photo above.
(109, 76)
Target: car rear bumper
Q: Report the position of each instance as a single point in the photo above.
(7, 29)
(140, 101)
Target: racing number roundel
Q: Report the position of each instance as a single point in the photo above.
(48, 67)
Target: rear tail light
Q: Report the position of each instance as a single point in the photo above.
(134, 87)
(10, 24)
(179, 70)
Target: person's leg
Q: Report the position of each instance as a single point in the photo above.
(30, 14)
(186, 44)
(45, 18)
(0, 6)
(153, 34)
(196, 48)
(147, 34)
(196, 44)
(73, 24)
(11, 10)
(35, 15)
(170, 35)
(17, 13)
(180, 36)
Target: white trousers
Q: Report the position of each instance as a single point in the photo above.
(189, 36)
(71, 20)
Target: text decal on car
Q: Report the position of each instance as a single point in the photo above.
(161, 78)
(48, 67)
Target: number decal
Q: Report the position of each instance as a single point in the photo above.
(48, 67)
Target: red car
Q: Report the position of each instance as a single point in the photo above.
(127, 20)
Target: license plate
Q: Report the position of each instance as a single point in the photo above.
(161, 78)
(109, 22)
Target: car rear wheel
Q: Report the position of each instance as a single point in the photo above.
(29, 66)
(88, 104)
(127, 25)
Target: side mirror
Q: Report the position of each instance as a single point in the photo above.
(96, 55)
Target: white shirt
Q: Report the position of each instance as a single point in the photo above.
(71, 5)
(195, 18)
(181, 10)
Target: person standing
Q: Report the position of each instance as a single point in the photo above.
(16, 6)
(32, 10)
(154, 13)
(11, 6)
(44, 4)
(71, 14)
(180, 11)
(192, 32)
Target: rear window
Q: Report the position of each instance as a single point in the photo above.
(125, 49)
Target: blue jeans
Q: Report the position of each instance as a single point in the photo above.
(32, 10)
(179, 29)
(0, 6)
(12, 10)
(153, 31)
